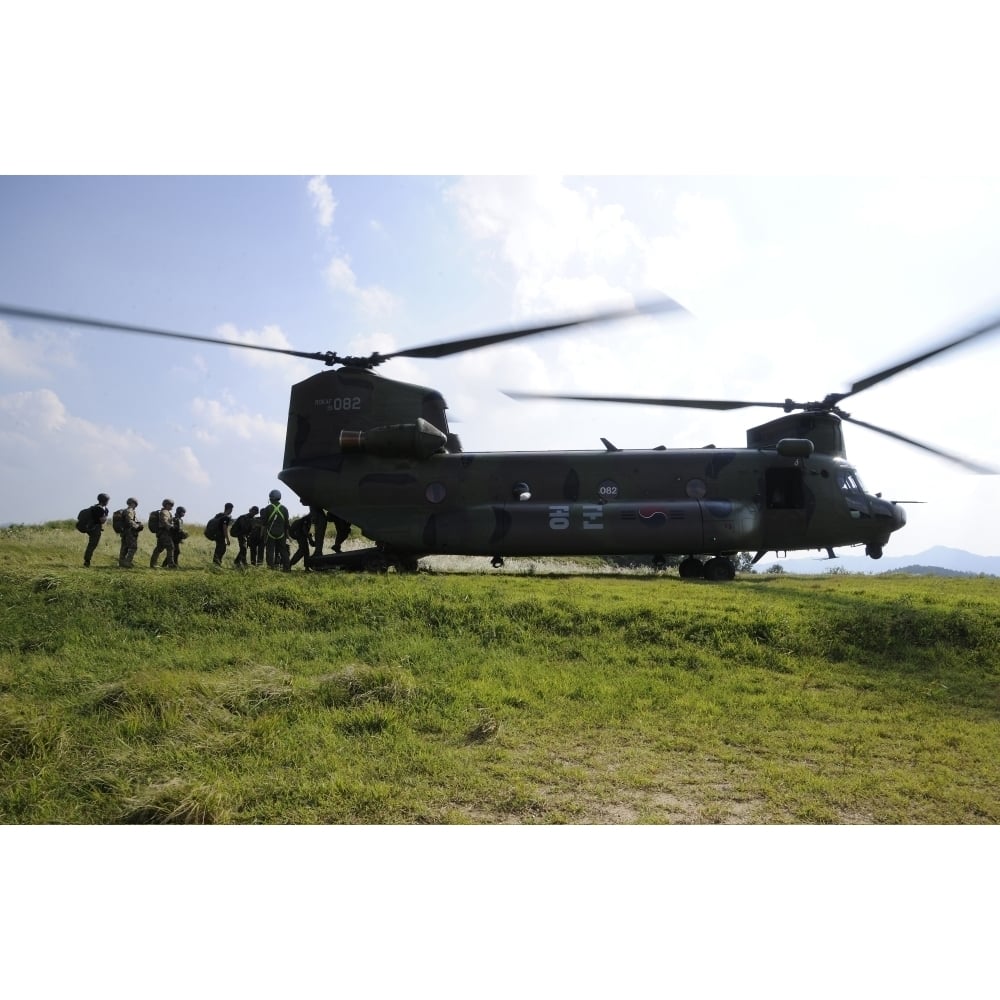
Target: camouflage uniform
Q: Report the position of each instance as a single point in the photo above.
(164, 538)
(130, 534)
(98, 515)
(178, 534)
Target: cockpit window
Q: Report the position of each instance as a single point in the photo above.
(850, 482)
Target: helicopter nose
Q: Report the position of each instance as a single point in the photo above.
(898, 516)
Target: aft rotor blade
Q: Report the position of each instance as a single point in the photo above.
(448, 347)
(980, 331)
(104, 324)
(693, 404)
(983, 470)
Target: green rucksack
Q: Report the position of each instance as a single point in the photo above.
(118, 521)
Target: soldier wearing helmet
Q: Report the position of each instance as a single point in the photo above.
(164, 537)
(96, 517)
(274, 518)
(178, 534)
(131, 526)
(242, 530)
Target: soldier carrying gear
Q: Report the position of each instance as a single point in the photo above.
(241, 529)
(164, 537)
(178, 534)
(131, 526)
(96, 516)
(274, 518)
(222, 521)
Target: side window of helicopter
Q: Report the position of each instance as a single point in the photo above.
(849, 482)
(784, 489)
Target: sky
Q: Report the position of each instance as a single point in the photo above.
(793, 286)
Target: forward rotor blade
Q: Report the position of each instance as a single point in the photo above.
(980, 331)
(692, 404)
(983, 470)
(445, 348)
(104, 324)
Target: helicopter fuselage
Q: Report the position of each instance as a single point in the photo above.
(704, 501)
(379, 453)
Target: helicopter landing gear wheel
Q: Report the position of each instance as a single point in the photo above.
(691, 569)
(873, 551)
(496, 562)
(719, 569)
(659, 562)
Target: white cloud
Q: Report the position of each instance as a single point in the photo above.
(323, 201)
(704, 245)
(220, 420)
(286, 367)
(26, 358)
(550, 234)
(44, 447)
(185, 464)
(373, 299)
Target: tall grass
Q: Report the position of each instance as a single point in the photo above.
(208, 696)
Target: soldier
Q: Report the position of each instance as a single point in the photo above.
(164, 537)
(98, 514)
(275, 522)
(224, 519)
(178, 534)
(130, 534)
(298, 531)
(256, 539)
(240, 530)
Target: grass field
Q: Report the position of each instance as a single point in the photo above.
(211, 696)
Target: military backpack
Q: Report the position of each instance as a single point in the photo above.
(118, 521)
(241, 526)
(85, 520)
(153, 522)
(213, 530)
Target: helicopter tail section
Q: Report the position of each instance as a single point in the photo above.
(353, 409)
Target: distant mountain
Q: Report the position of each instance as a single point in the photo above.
(939, 560)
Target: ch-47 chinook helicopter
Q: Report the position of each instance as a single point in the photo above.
(380, 454)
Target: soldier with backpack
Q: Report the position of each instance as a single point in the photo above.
(274, 518)
(91, 522)
(178, 534)
(161, 522)
(241, 529)
(217, 530)
(130, 526)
